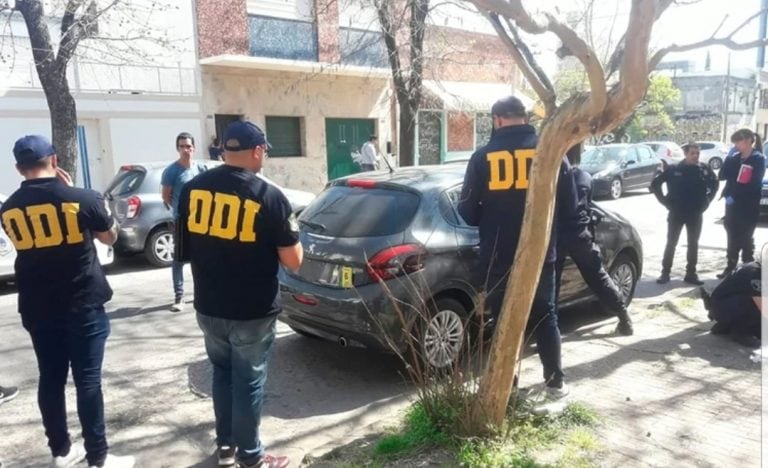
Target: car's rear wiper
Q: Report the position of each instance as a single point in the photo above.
(318, 226)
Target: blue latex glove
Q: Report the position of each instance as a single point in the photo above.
(729, 200)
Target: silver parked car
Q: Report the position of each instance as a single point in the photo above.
(145, 222)
(8, 253)
(668, 151)
(712, 153)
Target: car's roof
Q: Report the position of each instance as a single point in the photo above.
(163, 164)
(657, 143)
(618, 145)
(420, 178)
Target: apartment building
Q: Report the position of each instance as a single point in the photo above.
(130, 106)
(315, 75)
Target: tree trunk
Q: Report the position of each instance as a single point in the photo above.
(496, 384)
(63, 125)
(407, 135)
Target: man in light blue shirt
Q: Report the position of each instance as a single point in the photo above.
(174, 177)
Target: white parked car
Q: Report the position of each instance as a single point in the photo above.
(712, 153)
(668, 151)
(8, 253)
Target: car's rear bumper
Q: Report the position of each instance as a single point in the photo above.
(360, 317)
(131, 238)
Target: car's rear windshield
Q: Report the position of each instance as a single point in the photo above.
(126, 181)
(342, 211)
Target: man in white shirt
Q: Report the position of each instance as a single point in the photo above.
(369, 160)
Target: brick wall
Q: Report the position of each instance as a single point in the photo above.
(328, 30)
(461, 131)
(457, 55)
(222, 27)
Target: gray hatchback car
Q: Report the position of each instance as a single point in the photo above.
(145, 222)
(404, 228)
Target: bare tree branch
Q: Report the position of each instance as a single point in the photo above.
(628, 92)
(587, 57)
(618, 53)
(726, 41)
(534, 77)
(723, 41)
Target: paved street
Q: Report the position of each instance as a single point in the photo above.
(671, 395)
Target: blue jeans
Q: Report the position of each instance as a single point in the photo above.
(77, 340)
(238, 350)
(543, 319)
(177, 272)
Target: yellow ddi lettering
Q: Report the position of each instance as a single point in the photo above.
(509, 170)
(38, 226)
(218, 215)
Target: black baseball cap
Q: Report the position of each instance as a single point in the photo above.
(32, 148)
(244, 135)
(509, 106)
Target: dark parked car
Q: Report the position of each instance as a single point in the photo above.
(404, 229)
(134, 197)
(618, 168)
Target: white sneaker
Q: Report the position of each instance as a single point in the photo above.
(555, 393)
(113, 461)
(177, 306)
(76, 455)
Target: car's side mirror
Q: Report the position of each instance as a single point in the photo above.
(629, 163)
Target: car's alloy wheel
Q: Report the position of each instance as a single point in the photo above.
(715, 163)
(616, 188)
(444, 334)
(160, 248)
(623, 275)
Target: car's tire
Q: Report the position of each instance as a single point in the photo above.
(159, 247)
(443, 336)
(623, 272)
(715, 163)
(616, 190)
(303, 333)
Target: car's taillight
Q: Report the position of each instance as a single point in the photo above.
(361, 183)
(134, 204)
(394, 261)
(669, 153)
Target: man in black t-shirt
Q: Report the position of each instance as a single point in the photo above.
(62, 292)
(236, 230)
(493, 198)
(736, 305)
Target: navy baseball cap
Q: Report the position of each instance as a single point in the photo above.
(32, 148)
(244, 135)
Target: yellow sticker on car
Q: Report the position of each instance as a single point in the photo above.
(346, 277)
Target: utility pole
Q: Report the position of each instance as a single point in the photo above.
(727, 99)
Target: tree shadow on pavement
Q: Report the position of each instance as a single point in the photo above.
(334, 379)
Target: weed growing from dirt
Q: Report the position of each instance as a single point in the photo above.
(568, 440)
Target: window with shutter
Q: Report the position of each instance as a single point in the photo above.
(284, 134)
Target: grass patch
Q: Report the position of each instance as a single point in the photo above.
(566, 440)
(419, 431)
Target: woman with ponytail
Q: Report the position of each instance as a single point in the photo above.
(743, 175)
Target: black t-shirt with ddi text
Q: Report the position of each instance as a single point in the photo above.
(230, 225)
(51, 226)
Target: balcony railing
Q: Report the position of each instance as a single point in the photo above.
(18, 71)
(282, 38)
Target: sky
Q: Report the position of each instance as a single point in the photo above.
(680, 24)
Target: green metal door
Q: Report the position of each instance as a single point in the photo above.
(342, 138)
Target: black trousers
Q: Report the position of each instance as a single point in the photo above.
(675, 223)
(738, 313)
(740, 228)
(587, 257)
